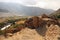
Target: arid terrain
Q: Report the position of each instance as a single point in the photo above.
(32, 34)
(25, 34)
(42, 27)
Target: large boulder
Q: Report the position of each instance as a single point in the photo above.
(35, 21)
(44, 16)
(29, 23)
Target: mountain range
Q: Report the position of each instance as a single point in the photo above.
(11, 9)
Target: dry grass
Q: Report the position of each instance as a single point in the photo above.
(20, 22)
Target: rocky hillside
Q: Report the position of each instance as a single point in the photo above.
(56, 14)
(36, 28)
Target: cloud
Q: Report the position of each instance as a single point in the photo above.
(48, 4)
(24, 2)
(53, 5)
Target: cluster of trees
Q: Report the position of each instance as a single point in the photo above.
(58, 16)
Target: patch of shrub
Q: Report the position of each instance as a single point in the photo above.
(58, 16)
(1, 32)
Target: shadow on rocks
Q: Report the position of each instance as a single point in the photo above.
(41, 30)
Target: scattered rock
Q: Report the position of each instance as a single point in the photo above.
(9, 34)
(52, 32)
(45, 16)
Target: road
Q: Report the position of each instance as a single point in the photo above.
(6, 26)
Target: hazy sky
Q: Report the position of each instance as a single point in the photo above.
(47, 4)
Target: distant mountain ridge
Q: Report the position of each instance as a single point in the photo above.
(18, 9)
